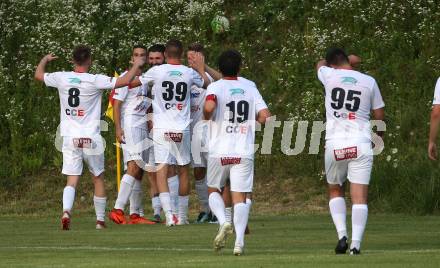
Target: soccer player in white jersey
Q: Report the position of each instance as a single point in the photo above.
(130, 117)
(171, 119)
(435, 122)
(80, 100)
(233, 105)
(350, 98)
(195, 55)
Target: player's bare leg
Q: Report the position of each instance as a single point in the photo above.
(184, 189)
(202, 193)
(242, 208)
(338, 212)
(164, 193)
(359, 215)
(68, 199)
(99, 200)
(217, 206)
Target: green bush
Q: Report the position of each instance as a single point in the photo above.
(280, 40)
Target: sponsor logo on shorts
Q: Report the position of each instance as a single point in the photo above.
(346, 153)
(173, 136)
(230, 160)
(82, 143)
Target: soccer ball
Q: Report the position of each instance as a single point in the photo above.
(220, 24)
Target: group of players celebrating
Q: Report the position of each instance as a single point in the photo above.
(205, 118)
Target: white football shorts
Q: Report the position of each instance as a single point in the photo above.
(353, 162)
(239, 171)
(138, 147)
(172, 147)
(76, 150)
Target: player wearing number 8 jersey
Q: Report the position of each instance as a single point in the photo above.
(350, 98)
(80, 100)
(233, 105)
(171, 89)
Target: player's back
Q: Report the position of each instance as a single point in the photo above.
(80, 101)
(233, 130)
(349, 98)
(172, 95)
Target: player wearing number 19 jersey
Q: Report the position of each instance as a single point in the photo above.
(80, 100)
(233, 105)
(350, 97)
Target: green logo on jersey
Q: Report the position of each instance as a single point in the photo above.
(349, 80)
(234, 91)
(74, 80)
(175, 73)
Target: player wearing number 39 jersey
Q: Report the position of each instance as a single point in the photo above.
(233, 105)
(350, 98)
(80, 100)
(171, 90)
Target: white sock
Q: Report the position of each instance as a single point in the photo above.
(338, 211)
(241, 216)
(217, 207)
(68, 198)
(202, 192)
(359, 215)
(125, 189)
(183, 207)
(100, 203)
(228, 214)
(155, 203)
(136, 197)
(173, 185)
(165, 202)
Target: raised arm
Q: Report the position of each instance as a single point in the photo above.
(216, 75)
(210, 105)
(198, 63)
(129, 77)
(41, 68)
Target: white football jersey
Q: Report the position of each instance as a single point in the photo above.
(437, 93)
(232, 130)
(80, 101)
(349, 98)
(135, 104)
(171, 90)
(198, 95)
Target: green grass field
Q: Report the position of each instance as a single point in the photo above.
(275, 241)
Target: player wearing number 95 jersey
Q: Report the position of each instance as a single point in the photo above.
(350, 98)
(233, 105)
(80, 100)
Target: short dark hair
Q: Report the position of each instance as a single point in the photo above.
(197, 47)
(229, 62)
(81, 54)
(157, 48)
(174, 48)
(336, 56)
(139, 46)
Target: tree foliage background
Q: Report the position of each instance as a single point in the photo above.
(280, 40)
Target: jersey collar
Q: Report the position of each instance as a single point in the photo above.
(230, 78)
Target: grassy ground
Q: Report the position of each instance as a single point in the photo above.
(275, 241)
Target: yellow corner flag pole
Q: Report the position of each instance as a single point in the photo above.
(109, 114)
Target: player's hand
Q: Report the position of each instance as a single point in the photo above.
(432, 151)
(120, 135)
(139, 62)
(50, 57)
(197, 62)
